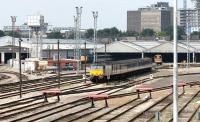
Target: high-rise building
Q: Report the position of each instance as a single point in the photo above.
(189, 19)
(157, 17)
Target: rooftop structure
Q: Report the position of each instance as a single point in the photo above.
(158, 6)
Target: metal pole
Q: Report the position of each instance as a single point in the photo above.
(175, 68)
(13, 19)
(58, 64)
(187, 37)
(105, 53)
(193, 55)
(75, 37)
(95, 15)
(29, 37)
(85, 61)
(20, 69)
(78, 35)
(36, 32)
(94, 38)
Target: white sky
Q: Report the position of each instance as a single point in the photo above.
(112, 13)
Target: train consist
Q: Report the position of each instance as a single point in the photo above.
(112, 69)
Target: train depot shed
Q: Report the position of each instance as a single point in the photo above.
(127, 49)
(118, 50)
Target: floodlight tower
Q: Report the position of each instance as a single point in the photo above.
(78, 35)
(13, 19)
(95, 15)
(36, 23)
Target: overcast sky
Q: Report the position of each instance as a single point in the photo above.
(112, 13)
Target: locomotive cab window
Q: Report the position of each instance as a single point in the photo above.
(97, 66)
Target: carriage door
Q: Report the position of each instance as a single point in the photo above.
(108, 71)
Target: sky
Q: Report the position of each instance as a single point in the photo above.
(112, 13)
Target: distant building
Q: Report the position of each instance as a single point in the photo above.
(192, 16)
(23, 29)
(189, 18)
(157, 17)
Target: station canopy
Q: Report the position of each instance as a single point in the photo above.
(123, 46)
(168, 47)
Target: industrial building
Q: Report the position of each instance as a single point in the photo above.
(49, 48)
(157, 17)
(127, 49)
(118, 50)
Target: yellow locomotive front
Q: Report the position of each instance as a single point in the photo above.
(158, 59)
(96, 71)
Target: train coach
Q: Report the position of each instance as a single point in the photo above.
(103, 71)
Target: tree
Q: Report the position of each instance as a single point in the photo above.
(180, 32)
(129, 33)
(162, 34)
(1, 33)
(16, 34)
(195, 33)
(147, 32)
(71, 36)
(55, 35)
(109, 33)
(89, 33)
(114, 32)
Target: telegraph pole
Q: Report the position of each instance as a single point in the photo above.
(95, 15)
(175, 67)
(75, 37)
(20, 69)
(187, 31)
(85, 60)
(58, 64)
(13, 19)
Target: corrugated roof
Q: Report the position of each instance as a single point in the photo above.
(184, 45)
(120, 47)
(166, 47)
(147, 44)
(133, 45)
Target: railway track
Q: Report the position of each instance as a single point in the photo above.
(10, 91)
(29, 105)
(188, 110)
(24, 77)
(50, 109)
(109, 91)
(57, 112)
(165, 108)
